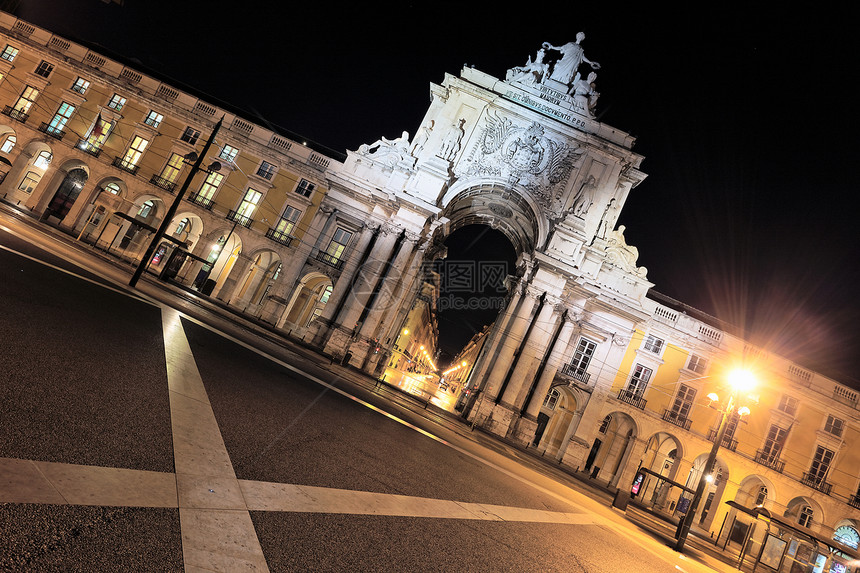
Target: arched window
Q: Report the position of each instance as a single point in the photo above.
(761, 496)
(145, 209)
(8, 143)
(112, 188)
(847, 535)
(184, 225)
(804, 517)
(551, 399)
(43, 160)
(604, 425)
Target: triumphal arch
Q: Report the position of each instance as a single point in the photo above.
(526, 156)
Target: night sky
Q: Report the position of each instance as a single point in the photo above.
(743, 117)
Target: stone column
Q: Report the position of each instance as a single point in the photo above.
(552, 364)
(532, 351)
(385, 297)
(510, 340)
(632, 457)
(579, 446)
(237, 273)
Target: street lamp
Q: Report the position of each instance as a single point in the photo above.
(740, 380)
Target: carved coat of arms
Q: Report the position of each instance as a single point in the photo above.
(524, 156)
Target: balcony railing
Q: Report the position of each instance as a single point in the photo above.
(52, 131)
(239, 218)
(204, 202)
(769, 459)
(576, 372)
(90, 148)
(125, 165)
(816, 482)
(16, 114)
(330, 260)
(165, 184)
(633, 399)
(675, 418)
(279, 237)
(854, 501)
(728, 442)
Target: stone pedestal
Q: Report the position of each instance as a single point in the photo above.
(576, 454)
(524, 431)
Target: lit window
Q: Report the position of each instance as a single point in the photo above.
(134, 153)
(31, 179)
(582, 357)
(788, 405)
(190, 135)
(337, 245)
(288, 221)
(207, 190)
(58, 123)
(145, 209)
(81, 86)
(9, 53)
(153, 119)
(112, 188)
(683, 402)
(183, 225)
(97, 135)
(305, 188)
(8, 143)
(25, 101)
(249, 203)
(266, 170)
(43, 160)
(172, 168)
(116, 102)
(834, 426)
(229, 153)
(653, 344)
(44, 69)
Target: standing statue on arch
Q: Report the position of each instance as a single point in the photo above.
(572, 56)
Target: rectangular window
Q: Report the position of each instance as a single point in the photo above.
(116, 102)
(81, 86)
(697, 364)
(653, 344)
(249, 203)
(820, 464)
(153, 118)
(229, 153)
(337, 245)
(683, 402)
(288, 221)
(134, 153)
(25, 101)
(773, 443)
(97, 135)
(9, 53)
(582, 357)
(31, 179)
(834, 426)
(788, 405)
(172, 168)
(58, 123)
(266, 170)
(210, 185)
(44, 69)
(639, 381)
(305, 188)
(190, 135)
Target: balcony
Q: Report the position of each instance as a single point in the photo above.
(769, 459)
(675, 418)
(16, 114)
(329, 260)
(816, 482)
(854, 501)
(163, 183)
(52, 131)
(279, 237)
(576, 372)
(204, 202)
(239, 219)
(125, 165)
(633, 399)
(728, 442)
(87, 147)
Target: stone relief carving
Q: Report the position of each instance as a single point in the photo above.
(422, 137)
(622, 255)
(524, 156)
(387, 151)
(584, 197)
(451, 145)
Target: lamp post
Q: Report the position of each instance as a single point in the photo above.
(739, 380)
(171, 212)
